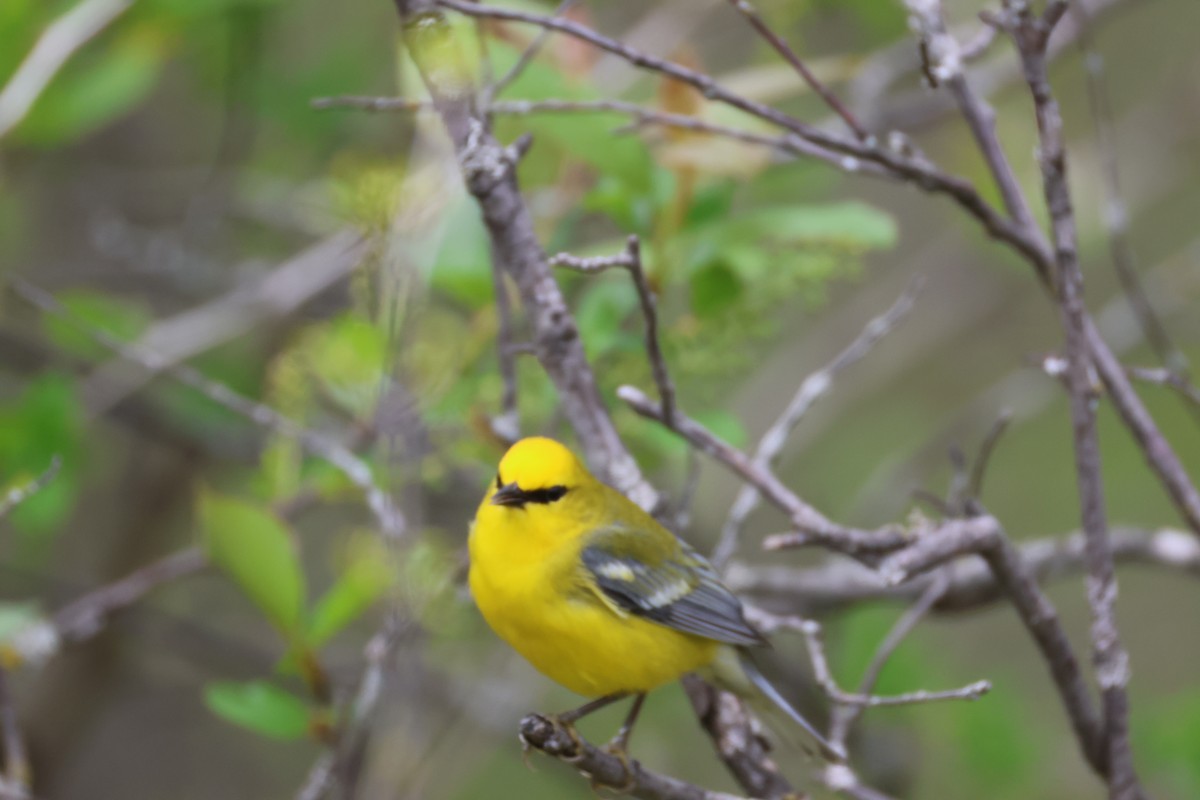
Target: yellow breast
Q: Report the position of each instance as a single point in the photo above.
(532, 599)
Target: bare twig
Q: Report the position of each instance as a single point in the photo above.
(840, 584)
(785, 143)
(781, 47)
(813, 526)
(84, 617)
(544, 734)
(815, 641)
(1169, 379)
(846, 715)
(487, 169)
(57, 44)
(631, 260)
(279, 293)
(357, 471)
(983, 535)
(526, 58)
(1031, 33)
(812, 388)
(974, 488)
(19, 494)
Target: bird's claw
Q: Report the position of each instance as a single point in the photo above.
(568, 728)
(616, 749)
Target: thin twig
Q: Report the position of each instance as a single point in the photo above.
(983, 535)
(815, 642)
(1169, 379)
(85, 616)
(811, 389)
(526, 58)
(489, 174)
(61, 39)
(631, 260)
(846, 715)
(781, 47)
(785, 143)
(840, 584)
(1031, 34)
(813, 527)
(357, 471)
(974, 489)
(19, 494)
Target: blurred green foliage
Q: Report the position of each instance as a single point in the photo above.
(733, 244)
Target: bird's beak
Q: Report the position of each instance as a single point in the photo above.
(509, 495)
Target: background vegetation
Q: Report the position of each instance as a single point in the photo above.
(173, 188)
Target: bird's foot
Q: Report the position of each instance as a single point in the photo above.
(616, 749)
(565, 723)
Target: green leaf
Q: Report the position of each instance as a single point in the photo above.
(255, 549)
(261, 707)
(714, 288)
(844, 225)
(367, 576)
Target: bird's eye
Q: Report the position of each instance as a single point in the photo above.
(548, 495)
(499, 483)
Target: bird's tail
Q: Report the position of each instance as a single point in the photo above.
(734, 671)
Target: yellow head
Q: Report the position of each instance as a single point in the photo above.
(541, 493)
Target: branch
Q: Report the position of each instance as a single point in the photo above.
(1169, 379)
(489, 173)
(545, 734)
(1031, 33)
(19, 494)
(631, 260)
(57, 44)
(983, 536)
(527, 56)
(84, 617)
(781, 47)
(812, 388)
(357, 471)
(738, 739)
(813, 526)
(970, 586)
(786, 143)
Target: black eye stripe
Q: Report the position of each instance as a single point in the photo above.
(545, 496)
(499, 483)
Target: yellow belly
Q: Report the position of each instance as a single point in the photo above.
(582, 644)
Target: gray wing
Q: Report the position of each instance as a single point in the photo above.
(681, 591)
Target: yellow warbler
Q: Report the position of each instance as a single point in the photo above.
(599, 596)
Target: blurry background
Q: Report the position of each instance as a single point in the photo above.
(173, 186)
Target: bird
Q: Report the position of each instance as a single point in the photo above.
(601, 598)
